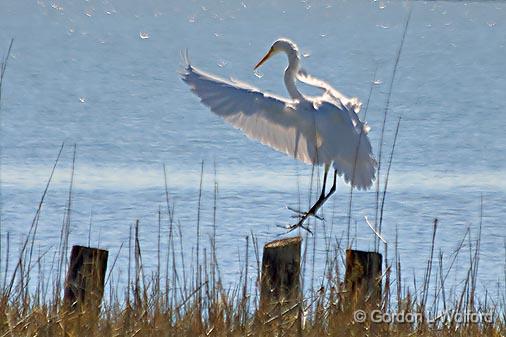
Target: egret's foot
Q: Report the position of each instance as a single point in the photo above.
(304, 215)
(298, 211)
(291, 228)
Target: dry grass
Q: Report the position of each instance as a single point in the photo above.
(207, 309)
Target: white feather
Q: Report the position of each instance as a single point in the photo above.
(321, 130)
(272, 120)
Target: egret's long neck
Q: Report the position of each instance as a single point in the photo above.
(291, 73)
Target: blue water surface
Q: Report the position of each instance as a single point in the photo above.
(104, 75)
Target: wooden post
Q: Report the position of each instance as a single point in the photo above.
(84, 285)
(280, 292)
(363, 277)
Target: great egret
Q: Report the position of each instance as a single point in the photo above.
(323, 130)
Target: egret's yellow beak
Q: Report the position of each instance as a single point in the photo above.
(269, 54)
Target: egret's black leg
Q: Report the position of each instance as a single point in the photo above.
(324, 182)
(300, 214)
(323, 198)
(318, 204)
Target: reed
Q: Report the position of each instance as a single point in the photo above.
(176, 302)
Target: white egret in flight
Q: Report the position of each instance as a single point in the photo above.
(323, 130)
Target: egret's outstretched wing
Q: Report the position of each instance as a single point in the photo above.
(272, 120)
(347, 146)
(332, 94)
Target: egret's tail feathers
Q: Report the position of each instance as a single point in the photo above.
(364, 173)
(357, 165)
(359, 174)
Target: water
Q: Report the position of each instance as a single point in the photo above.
(103, 75)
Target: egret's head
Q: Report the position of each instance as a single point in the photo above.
(280, 45)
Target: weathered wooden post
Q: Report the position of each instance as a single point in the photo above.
(363, 277)
(84, 285)
(280, 293)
